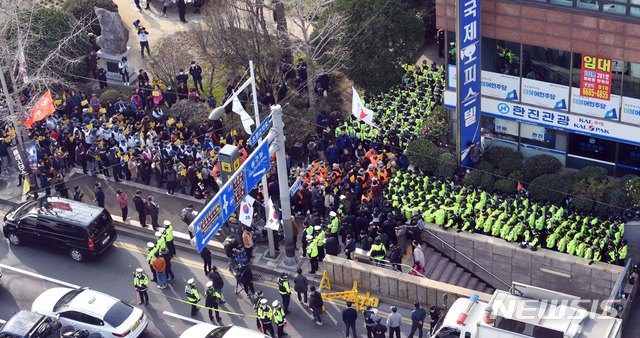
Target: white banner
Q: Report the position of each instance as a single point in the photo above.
(504, 126)
(532, 132)
(496, 85)
(630, 112)
(595, 107)
(545, 94)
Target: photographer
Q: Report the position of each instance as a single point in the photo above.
(144, 40)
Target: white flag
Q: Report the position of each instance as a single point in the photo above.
(237, 108)
(359, 110)
(246, 210)
(272, 219)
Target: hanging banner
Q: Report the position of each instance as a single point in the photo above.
(604, 109)
(545, 94)
(595, 79)
(469, 79)
(500, 86)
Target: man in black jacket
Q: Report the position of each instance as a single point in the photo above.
(182, 77)
(139, 203)
(218, 282)
(349, 316)
(169, 96)
(196, 73)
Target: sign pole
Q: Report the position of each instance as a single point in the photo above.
(265, 186)
(283, 181)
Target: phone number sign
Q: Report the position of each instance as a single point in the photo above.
(595, 79)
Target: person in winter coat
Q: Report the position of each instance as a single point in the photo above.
(141, 208)
(301, 285)
(123, 199)
(316, 305)
(218, 282)
(154, 210)
(349, 316)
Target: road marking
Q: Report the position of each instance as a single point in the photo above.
(43, 277)
(175, 315)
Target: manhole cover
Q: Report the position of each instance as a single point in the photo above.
(3, 184)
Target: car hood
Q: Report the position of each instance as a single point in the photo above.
(198, 331)
(47, 300)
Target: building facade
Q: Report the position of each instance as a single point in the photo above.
(533, 55)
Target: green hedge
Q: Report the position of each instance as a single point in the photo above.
(423, 154)
(549, 187)
(446, 165)
(539, 165)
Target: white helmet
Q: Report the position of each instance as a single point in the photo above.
(150, 245)
(275, 303)
(209, 284)
(332, 214)
(263, 301)
(166, 223)
(191, 281)
(139, 270)
(158, 234)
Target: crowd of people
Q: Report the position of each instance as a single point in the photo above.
(513, 218)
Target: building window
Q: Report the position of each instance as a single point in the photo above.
(499, 128)
(631, 87)
(592, 147)
(451, 48)
(501, 56)
(546, 64)
(567, 3)
(629, 155)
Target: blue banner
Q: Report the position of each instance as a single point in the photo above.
(469, 79)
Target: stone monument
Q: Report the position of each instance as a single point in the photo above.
(112, 41)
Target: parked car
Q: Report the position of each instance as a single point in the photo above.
(80, 229)
(27, 324)
(91, 310)
(205, 330)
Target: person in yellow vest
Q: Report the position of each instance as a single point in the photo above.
(168, 235)
(285, 290)
(279, 318)
(141, 282)
(378, 252)
(161, 242)
(193, 297)
(265, 316)
(312, 251)
(151, 253)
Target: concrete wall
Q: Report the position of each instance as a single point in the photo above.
(543, 268)
(393, 285)
(552, 27)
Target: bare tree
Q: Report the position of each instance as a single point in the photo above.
(32, 56)
(233, 32)
(314, 32)
(168, 60)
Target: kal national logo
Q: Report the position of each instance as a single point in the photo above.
(598, 130)
(503, 108)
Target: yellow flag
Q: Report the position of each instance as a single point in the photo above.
(103, 110)
(57, 102)
(126, 157)
(155, 93)
(212, 153)
(26, 187)
(171, 121)
(7, 139)
(89, 126)
(108, 124)
(90, 110)
(12, 132)
(84, 103)
(152, 124)
(183, 172)
(199, 175)
(177, 142)
(179, 124)
(71, 138)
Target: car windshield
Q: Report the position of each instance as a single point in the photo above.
(23, 209)
(118, 313)
(64, 300)
(218, 332)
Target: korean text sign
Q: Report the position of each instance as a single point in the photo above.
(595, 79)
(469, 75)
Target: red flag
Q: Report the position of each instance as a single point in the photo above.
(520, 187)
(43, 108)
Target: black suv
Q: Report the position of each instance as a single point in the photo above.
(80, 229)
(26, 324)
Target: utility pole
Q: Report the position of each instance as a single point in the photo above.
(283, 184)
(265, 187)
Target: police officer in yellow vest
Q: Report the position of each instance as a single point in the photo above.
(312, 251)
(168, 236)
(211, 301)
(265, 315)
(378, 252)
(285, 290)
(141, 282)
(152, 249)
(279, 318)
(192, 295)
(161, 242)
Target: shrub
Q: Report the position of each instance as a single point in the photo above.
(517, 175)
(192, 114)
(626, 178)
(613, 200)
(539, 165)
(549, 187)
(593, 172)
(506, 185)
(486, 182)
(632, 189)
(473, 178)
(83, 11)
(423, 154)
(485, 166)
(583, 202)
(111, 95)
(446, 165)
(435, 127)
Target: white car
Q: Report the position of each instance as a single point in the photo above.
(91, 310)
(205, 330)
